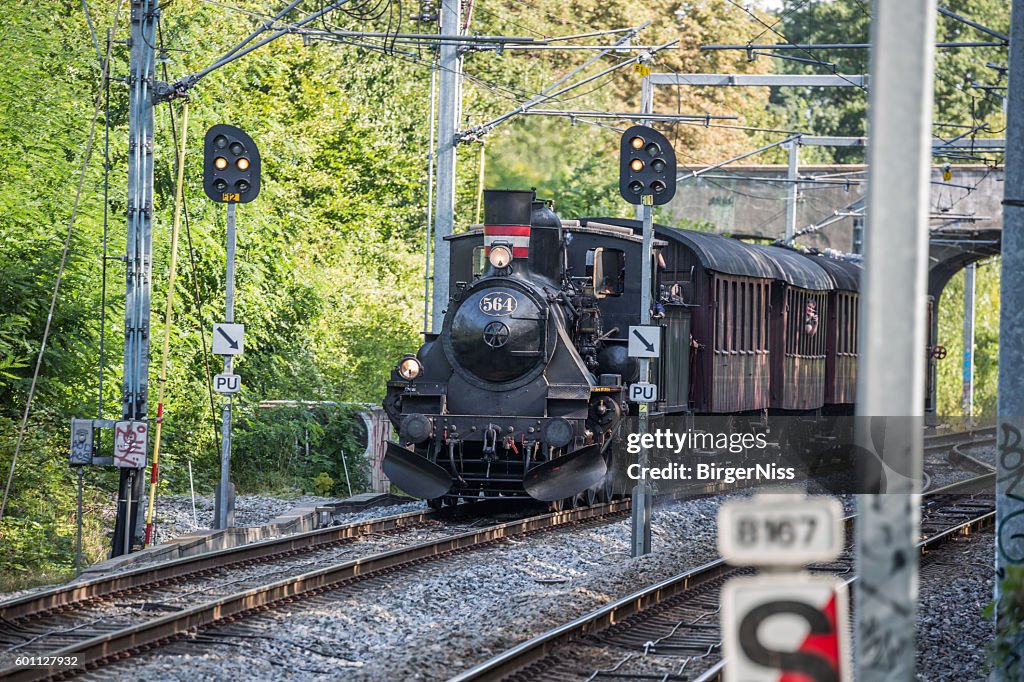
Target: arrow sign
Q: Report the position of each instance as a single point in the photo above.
(228, 339)
(645, 342)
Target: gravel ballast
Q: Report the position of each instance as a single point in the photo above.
(447, 615)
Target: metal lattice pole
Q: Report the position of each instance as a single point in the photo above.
(448, 107)
(138, 255)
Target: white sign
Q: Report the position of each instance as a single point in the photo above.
(226, 384)
(228, 339)
(785, 627)
(643, 393)
(780, 530)
(644, 342)
(130, 441)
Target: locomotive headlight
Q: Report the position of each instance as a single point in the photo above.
(409, 367)
(500, 256)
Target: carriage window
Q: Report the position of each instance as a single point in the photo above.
(479, 261)
(609, 271)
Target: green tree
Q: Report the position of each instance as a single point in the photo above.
(843, 110)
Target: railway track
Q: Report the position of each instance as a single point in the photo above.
(980, 436)
(949, 462)
(670, 631)
(80, 619)
(90, 643)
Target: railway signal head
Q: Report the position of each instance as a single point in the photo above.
(647, 167)
(231, 165)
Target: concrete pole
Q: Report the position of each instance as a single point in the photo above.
(448, 112)
(138, 257)
(893, 316)
(1010, 484)
(794, 161)
(641, 526)
(225, 510)
(968, 365)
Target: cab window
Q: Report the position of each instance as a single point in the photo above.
(479, 261)
(608, 267)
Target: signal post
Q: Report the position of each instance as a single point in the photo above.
(647, 177)
(231, 175)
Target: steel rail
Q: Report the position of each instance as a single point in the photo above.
(162, 573)
(98, 650)
(533, 650)
(958, 437)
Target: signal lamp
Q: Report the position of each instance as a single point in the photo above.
(231, 165)
(647, 167)
(409, 367)
(500, 256)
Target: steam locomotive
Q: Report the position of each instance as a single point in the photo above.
(524, 389)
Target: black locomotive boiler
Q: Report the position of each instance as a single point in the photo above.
(522, 391)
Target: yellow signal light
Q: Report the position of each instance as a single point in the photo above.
(637, 142)
(637, 165)
(243, 163)
(220, 163)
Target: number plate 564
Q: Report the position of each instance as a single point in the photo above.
(498, 303)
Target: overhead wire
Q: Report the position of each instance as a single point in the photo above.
(92, 30)
(778, 21)
(810, 54)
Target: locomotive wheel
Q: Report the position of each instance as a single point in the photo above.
(556, 505)
(435, 503)
(590, 497)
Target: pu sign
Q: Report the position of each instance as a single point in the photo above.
(779, 629)
(227, 384)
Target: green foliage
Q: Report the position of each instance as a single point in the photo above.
(301, 446)
(1004, 650)
(986, 342)
(323, 484)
